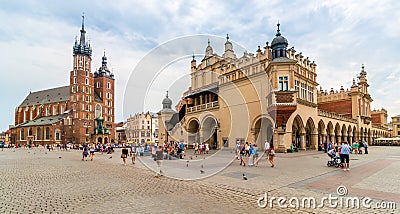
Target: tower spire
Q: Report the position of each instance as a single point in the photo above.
(278, 32)
(227, 37)
(83, 21)
(167, 95)
(83, 32)
(82, 47)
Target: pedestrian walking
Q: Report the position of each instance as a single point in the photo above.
(255, 155)
(133, 154)
(365, 147)
(91, 150)
(241, 155)
(266, 146)
(124, 155)
(85, 153)
(159, 157)
(271, 155)
(237, 149)
(345, 156)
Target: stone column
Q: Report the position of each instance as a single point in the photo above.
(302, 141)
(281, 147)
(350, 140)
(314, 141)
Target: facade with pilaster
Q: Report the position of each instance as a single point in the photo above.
(271, 95)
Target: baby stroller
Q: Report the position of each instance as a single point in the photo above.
(334, 160)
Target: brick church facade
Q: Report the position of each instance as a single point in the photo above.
(69, 114)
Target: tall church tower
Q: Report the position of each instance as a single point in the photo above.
(81, 89)
(104, 89)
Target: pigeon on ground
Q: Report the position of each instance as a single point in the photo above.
(110, 157)
(187, 163)
(59, 157)
(244, 177)
(202, 171)
(191, 158)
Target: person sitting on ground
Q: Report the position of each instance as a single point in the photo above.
(355, 147)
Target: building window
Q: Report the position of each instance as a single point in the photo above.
(398, 126)
(74, 80)
(22, 134)
(283, 83)
(87, 81)
(47, 133)
(38, 134)
(30, 132)
(62, 109)
(108, 85)
(80, 61)
(54, 110)
(57, 135)
(97, 85)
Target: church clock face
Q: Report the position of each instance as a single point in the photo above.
(98, 111)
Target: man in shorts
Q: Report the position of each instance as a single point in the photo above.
(345, 156)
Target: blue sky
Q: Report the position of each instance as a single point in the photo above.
(36, 39)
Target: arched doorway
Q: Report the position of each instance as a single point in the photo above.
(330, 132)
(338, 134)
(298, 133)
(310, 127)
(321, 134)
(263, 131)
(100, 140)
(193, 132)
(344, 133)
(209, 132)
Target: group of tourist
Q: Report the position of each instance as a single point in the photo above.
(250, 152)
(344, 150)
(355, 148)
(202, 148)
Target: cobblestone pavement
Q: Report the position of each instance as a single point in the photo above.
(35, 181)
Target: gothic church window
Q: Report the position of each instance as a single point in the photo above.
(47, 133)
(22, 134)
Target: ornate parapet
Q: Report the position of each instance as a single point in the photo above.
(332, 115)
(203, 107)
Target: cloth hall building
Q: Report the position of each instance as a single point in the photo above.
(271, 95)
(74, 113)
